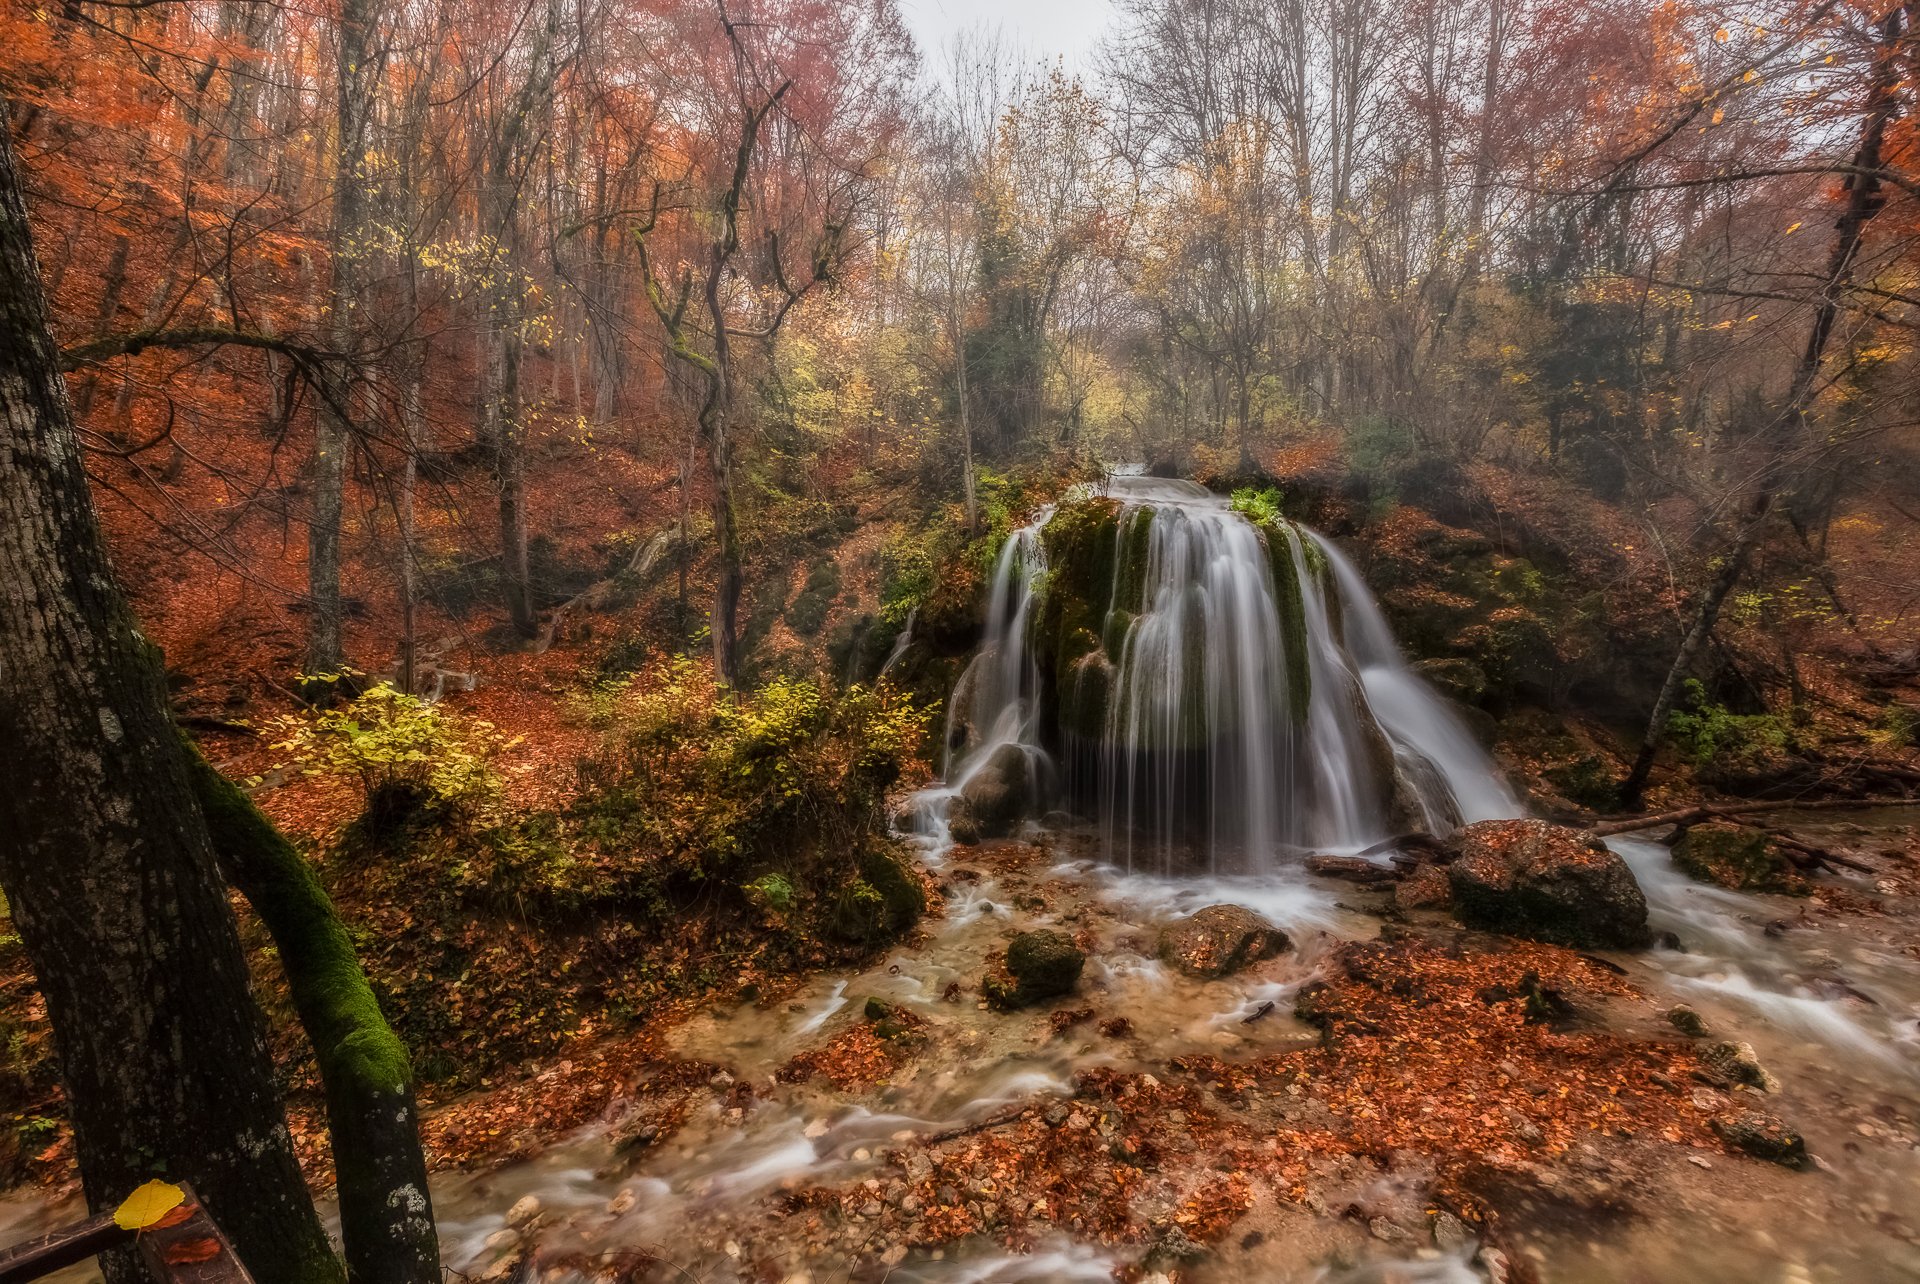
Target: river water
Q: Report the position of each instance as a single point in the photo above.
(1831, 1001)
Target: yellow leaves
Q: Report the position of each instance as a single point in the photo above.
(147, 1205)
(1722, 36)
(1795, 227)
(1719, 114)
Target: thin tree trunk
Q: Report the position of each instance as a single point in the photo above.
(386, 1214)
(1864, 200)
(106, 862)
(355, 77)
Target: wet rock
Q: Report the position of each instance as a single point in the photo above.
(1449, 1232)
(524, 1211)
(1736, 1063)
(961, 825)
(1040, 965)
(1352, 869)
(998, 794)
(1220, 940)
(1173, 1247)
(1763, 1136)
(1687, 1021)
(1546, 882)
(1427, 887)
(1735, 856)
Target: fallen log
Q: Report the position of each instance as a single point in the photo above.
(1436, 848)
(1354, 869)
(1729, 811)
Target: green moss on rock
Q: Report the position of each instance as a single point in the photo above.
(1289, 601)
(1737, 857)
(883, 902)
(1040, 965)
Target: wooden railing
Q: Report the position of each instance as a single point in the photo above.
(184, 1248)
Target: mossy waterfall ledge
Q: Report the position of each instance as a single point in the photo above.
(1216, 689)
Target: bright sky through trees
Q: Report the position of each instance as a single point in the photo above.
(1049, 28)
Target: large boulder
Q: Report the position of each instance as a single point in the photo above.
(1548, 883)
(1040, 965)
(1220, 940)
(998, 795)
(1737, 857)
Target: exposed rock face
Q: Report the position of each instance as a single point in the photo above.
(1220, 940)
(999, 794)
(1548, 883)
(1427, 887)
(961, 826)
(1042, 965)
(1737, 857)
(1764, 1137)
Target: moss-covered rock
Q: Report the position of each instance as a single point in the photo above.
(1040, 965)
(1081, 542)
(1737, 1063)
(882, 902)
(1285, 553)
(1734, 856)
(1462, 680)
(1546, 882)
(1086, 692)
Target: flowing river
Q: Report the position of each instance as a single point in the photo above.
(1832, 1007)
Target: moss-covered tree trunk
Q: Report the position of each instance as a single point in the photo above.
(103, 855)
(386, 1215)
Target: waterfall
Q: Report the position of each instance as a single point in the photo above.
(1241, 702)
(997, 698)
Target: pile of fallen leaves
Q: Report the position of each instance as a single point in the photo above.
(1438, 1062)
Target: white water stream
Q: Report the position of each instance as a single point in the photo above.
(1824, 1008)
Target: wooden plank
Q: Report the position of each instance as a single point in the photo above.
(56, 1250)
(190, 1249)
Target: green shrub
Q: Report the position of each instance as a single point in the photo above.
(1710, 734)
(713, 780)
(406, 754)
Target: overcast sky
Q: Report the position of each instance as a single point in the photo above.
(1048, 28)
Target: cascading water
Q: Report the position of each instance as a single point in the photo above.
(1255, 703)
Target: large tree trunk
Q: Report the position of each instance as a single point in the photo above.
(106, 861)
(386, 1215)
